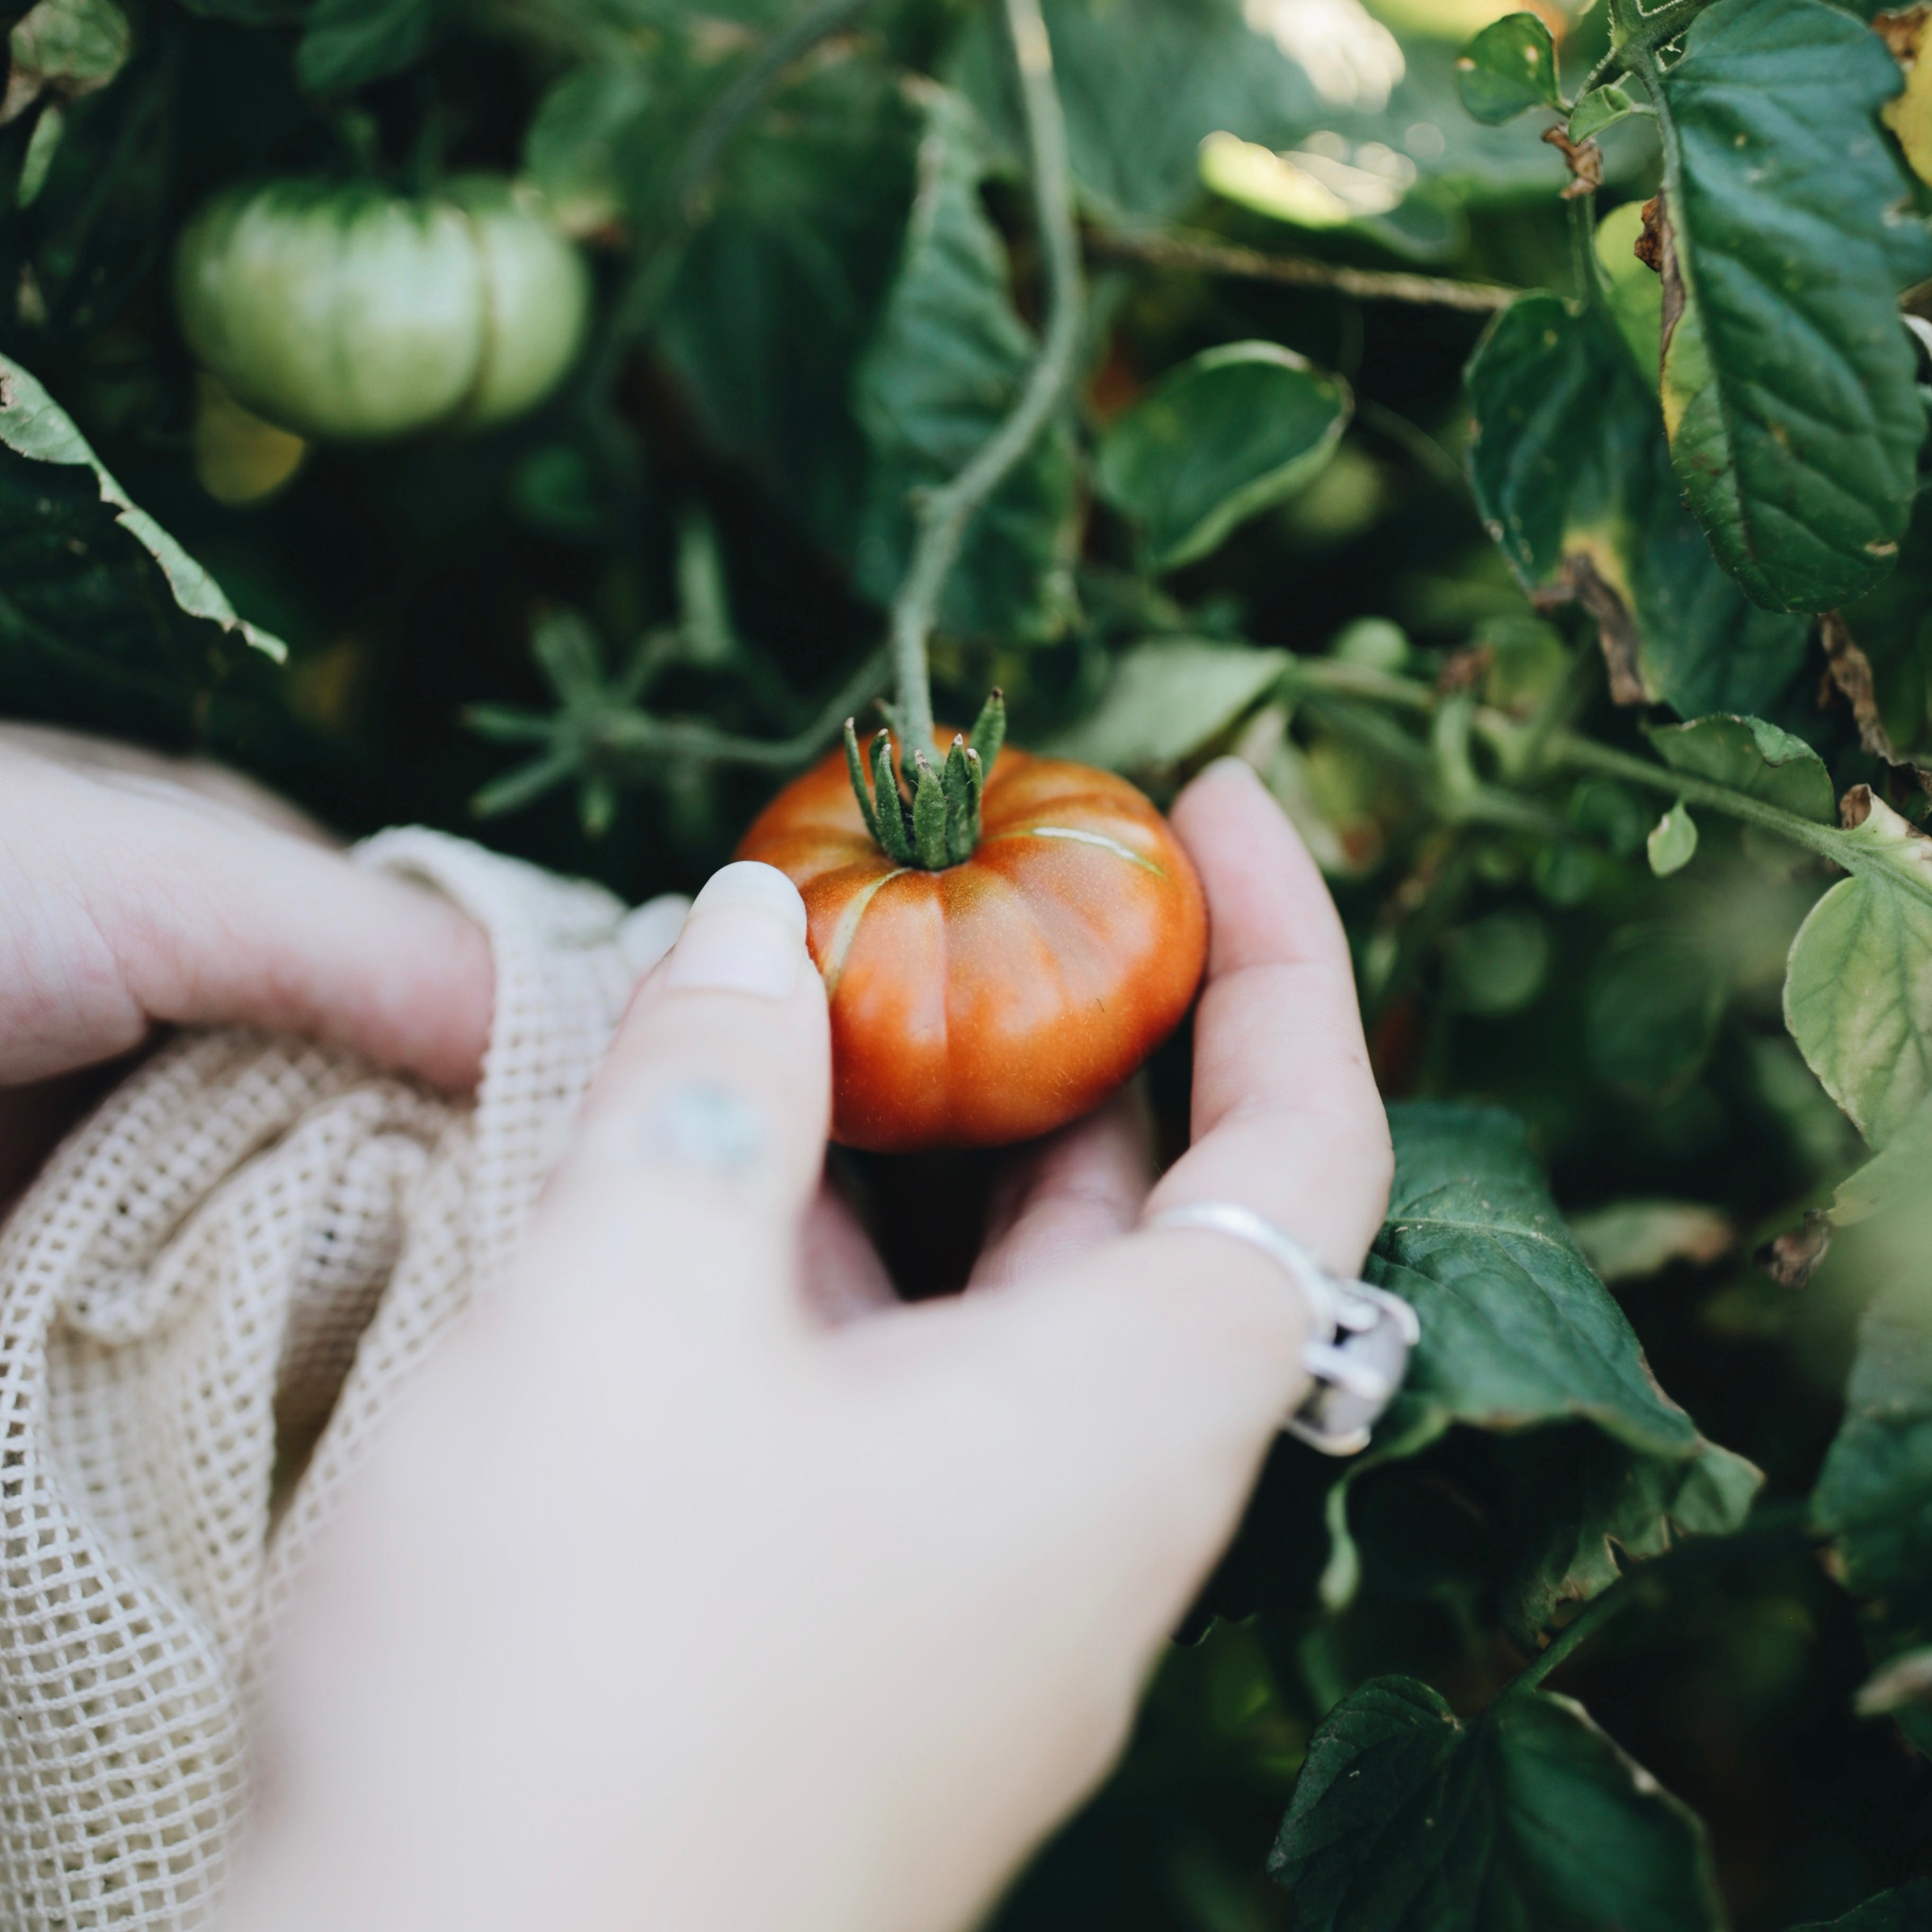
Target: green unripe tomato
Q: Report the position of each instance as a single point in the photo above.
(348, 313)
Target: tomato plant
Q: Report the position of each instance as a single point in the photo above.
(1504, 430)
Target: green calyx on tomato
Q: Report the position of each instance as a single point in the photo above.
(346, 312)
(939, 825)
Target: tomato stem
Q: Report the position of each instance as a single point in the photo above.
(944, 515)
(940, 825)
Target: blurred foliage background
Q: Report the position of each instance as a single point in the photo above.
(816, 284)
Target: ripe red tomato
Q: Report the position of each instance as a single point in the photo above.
(1004, 996)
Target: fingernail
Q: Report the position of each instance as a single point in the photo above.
(745, 933)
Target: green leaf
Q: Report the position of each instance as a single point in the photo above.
(1165, 700)
(1631, 1241)
(1651, 1013)
(1871, 1496)
(347, 43)
(1405, 1819)
(1749, 756)
(1518, 1334)
(1219, 439)
(1672, 842)
(775, 301)
(1498, 963)
(1858, 988)
(1632, 290)
(1789, 390)
(1573, 479)
(947, 365)
(65, 48)
(1907, 1909)
(1143, 82)
(1893, 1178)
(102, 211)
(1507, 69)
(578, 147)
(87, 578)
(1600, 108)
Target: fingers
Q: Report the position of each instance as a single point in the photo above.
(180, 909)
(1076, 1188)
(704, 1136)
(136, 770)
(844, 1279)
(1158, 1367)
(1286, 1118)
(1142, 1388)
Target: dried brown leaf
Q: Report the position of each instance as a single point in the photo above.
(1465, 670)
(1648, 246)
(1901, 30)
(1851, 673)
(1585, 160)
(1616, 629)
(1791, 1258)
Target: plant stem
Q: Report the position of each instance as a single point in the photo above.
(1170, 250)
(1648, 68)
(1320, 677)
(1329, 677)
(944, 515)
(652, 739)
(1632, 28)
(1583, 251)
(1414, 441)
(1576, 1634)
(1582, 754)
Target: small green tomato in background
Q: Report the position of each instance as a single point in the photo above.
(349, 313)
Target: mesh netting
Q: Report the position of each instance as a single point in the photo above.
(209, 1297)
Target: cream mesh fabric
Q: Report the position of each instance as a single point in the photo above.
(242, 1256)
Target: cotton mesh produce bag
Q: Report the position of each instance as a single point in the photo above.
(211, 1295)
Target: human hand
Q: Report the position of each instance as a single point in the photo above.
(141, 891)
(665, 1602)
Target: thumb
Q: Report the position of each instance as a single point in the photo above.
(704, 1136)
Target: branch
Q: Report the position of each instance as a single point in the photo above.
(1169, 251)
(1577, 1633)
(654, 739)
(1581, 753)
(945, 515)
(594, 746)
(1570, 750)
(1768, 1523)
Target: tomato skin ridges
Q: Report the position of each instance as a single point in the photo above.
(1085, 838)
(995, 998)
(833, 964)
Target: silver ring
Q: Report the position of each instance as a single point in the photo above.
(1360, 1350)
